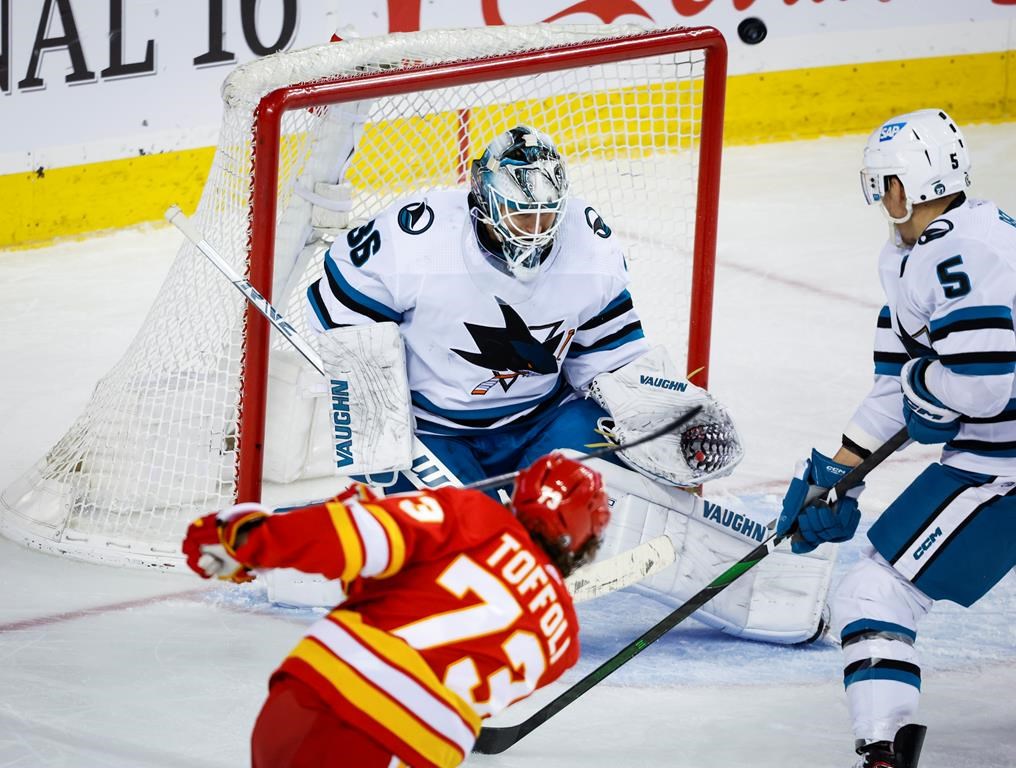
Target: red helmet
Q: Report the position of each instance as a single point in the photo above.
(562, 500)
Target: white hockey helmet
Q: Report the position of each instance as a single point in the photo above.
(520, 188)
(924, 149)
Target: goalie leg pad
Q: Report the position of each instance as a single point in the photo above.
(781, 600)
(290, 588)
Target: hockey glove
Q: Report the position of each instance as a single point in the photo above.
(211, 541)
(814, 522)
(928, 419)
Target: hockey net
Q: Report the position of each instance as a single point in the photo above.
(176, 428)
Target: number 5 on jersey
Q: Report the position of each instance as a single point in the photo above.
(954, 282)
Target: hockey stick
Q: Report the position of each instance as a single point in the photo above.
(427, 471)
(590, 581)
(670, 426)
(179, 219)
(494, 740)
(621, 570)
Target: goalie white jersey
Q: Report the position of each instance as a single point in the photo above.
(950, 297)
(483, 349)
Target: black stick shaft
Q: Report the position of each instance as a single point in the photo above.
(507, 477)
(495, 740)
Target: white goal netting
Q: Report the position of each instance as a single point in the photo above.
(168, 427)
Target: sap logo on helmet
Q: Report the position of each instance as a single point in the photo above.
(342, 430)
(661, 383)
(889, 131)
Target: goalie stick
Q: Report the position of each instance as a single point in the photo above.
(587, 582)
(671, 426)
(179, 219)
(424, 459)
(494, 740)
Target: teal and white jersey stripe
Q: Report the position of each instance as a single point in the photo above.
(483, 349)
(975, 341)
(890, 354)
(951, 297)
(596, 341)
(881, 414)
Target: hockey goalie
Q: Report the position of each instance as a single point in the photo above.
(468, 331)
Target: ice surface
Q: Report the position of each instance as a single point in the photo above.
(112, 667)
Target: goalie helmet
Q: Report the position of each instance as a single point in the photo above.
(520, 188)
(925, 150)
(563, 502)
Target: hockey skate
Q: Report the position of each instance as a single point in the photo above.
(902, 752)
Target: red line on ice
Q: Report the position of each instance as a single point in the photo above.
(56, 618)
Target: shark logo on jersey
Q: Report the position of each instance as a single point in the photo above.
(513, 351)
(889, 130)
(597, 224)
(416, 218)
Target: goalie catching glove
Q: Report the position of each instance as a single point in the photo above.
(648, 392)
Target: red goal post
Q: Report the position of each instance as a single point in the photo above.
(265, 173)
(178, 426)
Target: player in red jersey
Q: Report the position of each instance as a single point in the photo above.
(455, 609)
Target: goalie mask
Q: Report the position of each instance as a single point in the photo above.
(564, 503)
(519, 190)
(925, 150)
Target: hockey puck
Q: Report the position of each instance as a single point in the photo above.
(752, 31)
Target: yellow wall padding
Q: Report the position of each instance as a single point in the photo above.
(39, 207)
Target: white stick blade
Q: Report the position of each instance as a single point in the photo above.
(622, 570)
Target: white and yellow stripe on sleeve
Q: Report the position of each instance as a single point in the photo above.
(371, 540)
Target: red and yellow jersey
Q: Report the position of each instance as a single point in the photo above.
(452, 614)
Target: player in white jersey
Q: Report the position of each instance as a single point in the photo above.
(510, 301)
(945, 355)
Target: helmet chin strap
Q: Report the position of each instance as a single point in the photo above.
(893, 219)
(894, 229)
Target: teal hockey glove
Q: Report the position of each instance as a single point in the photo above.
(813, 521)
(928, 419)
